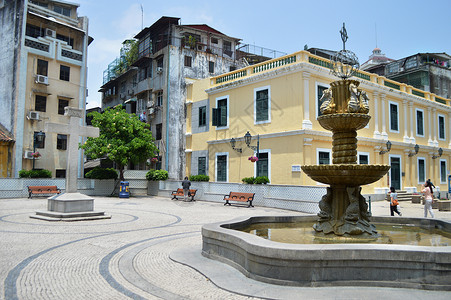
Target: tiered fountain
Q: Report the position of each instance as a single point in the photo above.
(343, 250)
(344, 111)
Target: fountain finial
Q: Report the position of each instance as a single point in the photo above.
(344, 63)
(344, 35)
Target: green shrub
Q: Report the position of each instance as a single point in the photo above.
(102, 173)
(261, 180)
(248, 180)
(199, 178)
(256, 180)
(155, 175)
(35, 174)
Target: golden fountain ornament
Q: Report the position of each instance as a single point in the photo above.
(344, 108)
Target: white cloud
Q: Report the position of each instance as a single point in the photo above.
(129, 23)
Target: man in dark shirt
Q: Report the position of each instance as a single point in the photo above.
(186, 184)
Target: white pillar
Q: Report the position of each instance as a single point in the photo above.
(406, 136)
(376, 133)
(430, 143)
(384, 134)
(306, 123)
(449, 129)
(435, 126)
(412, 123)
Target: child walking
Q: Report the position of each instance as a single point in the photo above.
(394, 202)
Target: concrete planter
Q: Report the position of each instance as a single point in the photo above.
(435, 204)
(416, 199)
(153, 187)
(444, 205)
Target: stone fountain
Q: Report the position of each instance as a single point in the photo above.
(345, 110)
(350, 258)
(343, 209)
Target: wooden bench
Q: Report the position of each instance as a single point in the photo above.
(39, 190)
(179, 193)
(240, 197)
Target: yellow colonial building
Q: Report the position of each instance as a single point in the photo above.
(277, 102)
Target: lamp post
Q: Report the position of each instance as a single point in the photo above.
(248, 139)
(233, 143)
(388, 144)
(416, 149)
(440, 152)
(38, 138)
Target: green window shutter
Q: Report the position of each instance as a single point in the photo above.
(215, 117)
(420, 130)
(262, 113)
(202, 166)
(222, 113)
(221, 172)
(394, 117)
(421, 170)
(262, 164)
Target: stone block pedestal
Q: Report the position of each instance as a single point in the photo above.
(70, 207)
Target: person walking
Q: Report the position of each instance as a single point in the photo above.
(394, 202)
(427, 191)
(186, 184)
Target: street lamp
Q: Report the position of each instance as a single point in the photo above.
(416, 149)
(440, 152)
(38, 138)
(248, 139)
(388, 144)
(233, 143)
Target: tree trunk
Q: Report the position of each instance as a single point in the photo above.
(121, 173)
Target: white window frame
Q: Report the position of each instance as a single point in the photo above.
(416, 121)
(317, 96)
(418, 169)
(216, 165)
(268, 87)
(318, 150)
(438, 127)
(363, 153)
(228, 108)
(440, 171)
(269, 162)
(389, 117)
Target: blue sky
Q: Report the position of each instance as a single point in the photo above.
(401, 27)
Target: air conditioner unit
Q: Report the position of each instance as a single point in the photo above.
(131, 92)
(159, 70)
(33, 115)
(28, 154)
(42, 79)
(50, 32)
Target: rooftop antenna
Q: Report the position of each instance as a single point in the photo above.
(142, 17)
(375, 31)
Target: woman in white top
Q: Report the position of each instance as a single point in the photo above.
(426, 189)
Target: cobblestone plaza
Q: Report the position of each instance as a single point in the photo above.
(128, 256)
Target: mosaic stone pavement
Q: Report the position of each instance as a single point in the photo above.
(125, 257)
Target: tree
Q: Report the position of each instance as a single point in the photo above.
(123, 138)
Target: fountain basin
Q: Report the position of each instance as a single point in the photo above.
(344, 122)
(406, 266)
(346, 174)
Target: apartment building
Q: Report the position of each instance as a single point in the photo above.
(43, 55)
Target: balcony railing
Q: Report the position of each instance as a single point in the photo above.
(307, 57)
(33, 43)
(71, 55)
